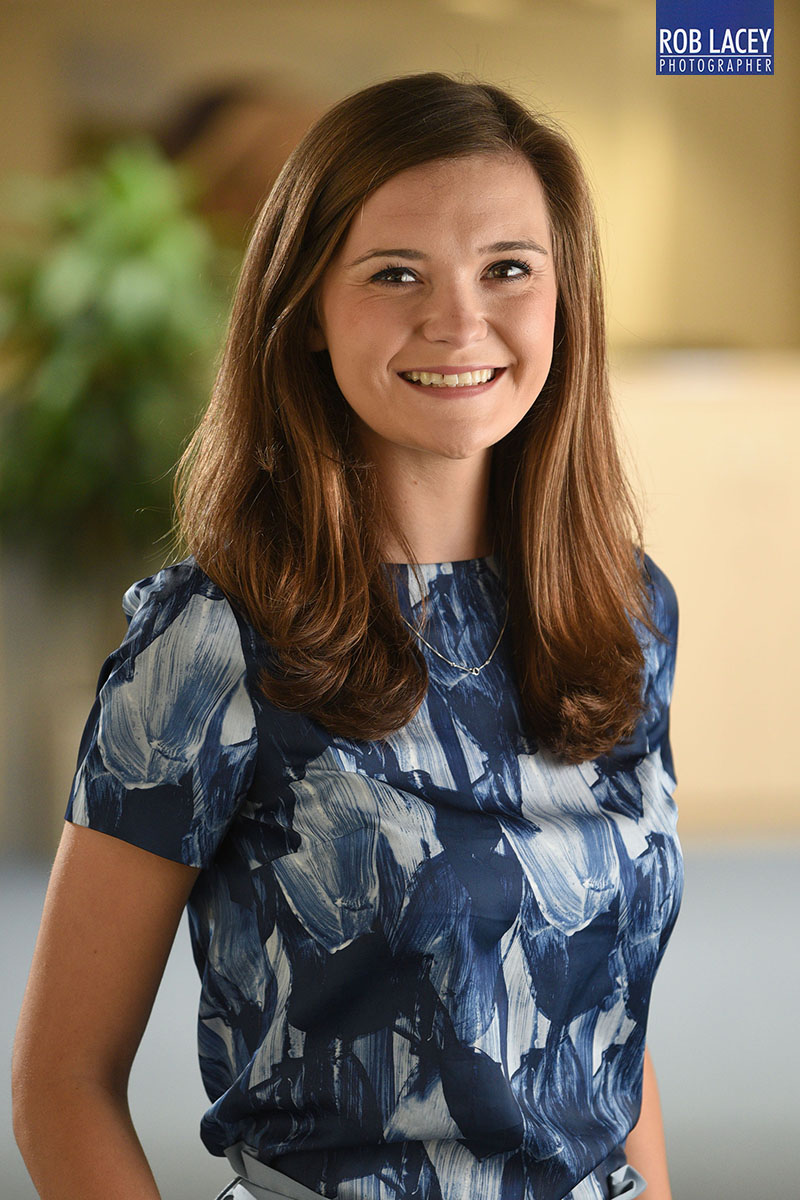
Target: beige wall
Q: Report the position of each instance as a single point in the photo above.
(697, 182)
(697, 178)
(715, 436)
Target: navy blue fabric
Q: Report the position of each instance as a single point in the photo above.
(426, 963)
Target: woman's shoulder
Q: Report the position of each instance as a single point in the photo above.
(181, 616)
(663, 599)
(169, 588)
(659, 650)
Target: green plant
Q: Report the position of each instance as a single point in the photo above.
(112, 303)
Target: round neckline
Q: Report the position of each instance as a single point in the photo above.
(454, 562)
(462, 571)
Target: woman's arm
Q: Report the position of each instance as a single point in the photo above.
(109, 921)
(645, 1147)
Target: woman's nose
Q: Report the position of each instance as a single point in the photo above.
(454, 314)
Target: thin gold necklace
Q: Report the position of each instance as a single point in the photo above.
(449, 661)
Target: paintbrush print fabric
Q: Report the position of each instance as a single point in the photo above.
(426, 963)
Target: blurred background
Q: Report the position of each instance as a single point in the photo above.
(137, 143)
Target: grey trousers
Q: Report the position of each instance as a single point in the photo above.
(255, 1181)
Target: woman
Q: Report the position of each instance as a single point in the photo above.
(398, 730)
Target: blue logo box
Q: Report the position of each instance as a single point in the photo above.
(715, 37)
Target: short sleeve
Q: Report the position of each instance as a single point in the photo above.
(170, 745)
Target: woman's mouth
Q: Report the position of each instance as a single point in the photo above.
(456, 380)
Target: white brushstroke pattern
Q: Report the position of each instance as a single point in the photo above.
(153, 726)
(410, 844)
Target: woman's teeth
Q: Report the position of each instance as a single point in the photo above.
(465, 379)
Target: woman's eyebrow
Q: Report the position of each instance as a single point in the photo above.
(418, 256)
(517, 244)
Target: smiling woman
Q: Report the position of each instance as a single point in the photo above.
(441, 349)
(398, 728)
(286, 443)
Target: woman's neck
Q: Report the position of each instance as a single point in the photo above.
(441, 506)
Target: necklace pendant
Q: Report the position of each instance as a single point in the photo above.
(449, 661)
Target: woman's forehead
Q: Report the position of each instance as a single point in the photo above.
(494, 196)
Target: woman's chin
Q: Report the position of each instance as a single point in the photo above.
(458, 450)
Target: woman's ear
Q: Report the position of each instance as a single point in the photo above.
(316, 338)
(316, 334)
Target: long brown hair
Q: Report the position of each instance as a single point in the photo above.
(280, 510)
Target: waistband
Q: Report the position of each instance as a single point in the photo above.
(263, 1182)
(626, 1181)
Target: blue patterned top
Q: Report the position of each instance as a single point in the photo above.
(426, 963)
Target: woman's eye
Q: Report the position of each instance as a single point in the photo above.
(394, 275)
(510, 268)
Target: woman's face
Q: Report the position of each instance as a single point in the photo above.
(438, 310)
